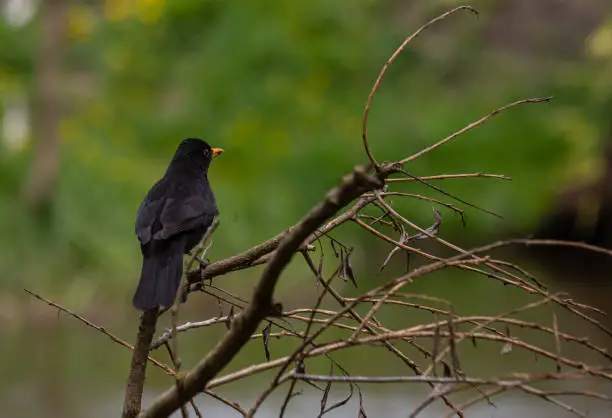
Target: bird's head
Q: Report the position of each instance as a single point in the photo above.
(196, 151)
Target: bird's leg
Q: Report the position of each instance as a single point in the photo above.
(200, 261)
(205, 261)
(195, 276)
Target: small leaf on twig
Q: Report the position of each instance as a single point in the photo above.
(266, 339)
(220, 306)
(230, 318)
(436, 347)
(436, 226)
(447, 370)
(320, 267)
(453, 344)
(333, 245)
(349, 268)
(343, 401)
(342, 268)
(507, 347)
(431, 231)
(362, 412)
(404, 234)
(300, 367)
(326, 390)
(407, 261)
(463, 217)
(474, 341)
(403, 239)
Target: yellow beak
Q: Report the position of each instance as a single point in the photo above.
(216, 152)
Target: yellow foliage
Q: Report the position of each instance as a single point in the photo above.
(147, 11)
(9, 79)
(70, 129)
(118, 9)
(80, 22)
(99, 112)
(581, 135)
(599, 43)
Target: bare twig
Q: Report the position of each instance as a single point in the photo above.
(445, 193)
(397, 52)
(473, 125)
(450, 176)
(138, 367)
(100, 329)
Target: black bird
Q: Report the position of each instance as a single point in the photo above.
(171, 220)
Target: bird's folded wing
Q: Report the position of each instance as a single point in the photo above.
(147, 214)
(181, 215)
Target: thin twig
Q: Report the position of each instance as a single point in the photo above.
(100, 329)
(383, 70)
(473, 125)
(450, 176)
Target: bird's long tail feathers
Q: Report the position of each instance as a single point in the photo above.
(162, 268)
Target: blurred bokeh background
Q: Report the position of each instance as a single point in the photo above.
(95, 95)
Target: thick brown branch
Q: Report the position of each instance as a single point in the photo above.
(133, 392)
(262, 253)
(244, 259)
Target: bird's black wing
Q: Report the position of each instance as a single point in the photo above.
(185, 214)
(149, 211)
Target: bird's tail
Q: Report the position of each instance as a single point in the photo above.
(162, 268)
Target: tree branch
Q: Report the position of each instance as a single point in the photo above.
(138, 368)
(245, 324)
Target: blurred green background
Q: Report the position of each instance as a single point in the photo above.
(95, 96)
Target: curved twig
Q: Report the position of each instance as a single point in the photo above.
(366, 111)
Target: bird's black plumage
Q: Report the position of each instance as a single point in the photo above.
(171, 220)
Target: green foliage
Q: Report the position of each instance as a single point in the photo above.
(281, 86)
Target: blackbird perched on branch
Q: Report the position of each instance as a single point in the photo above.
(171, 220)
